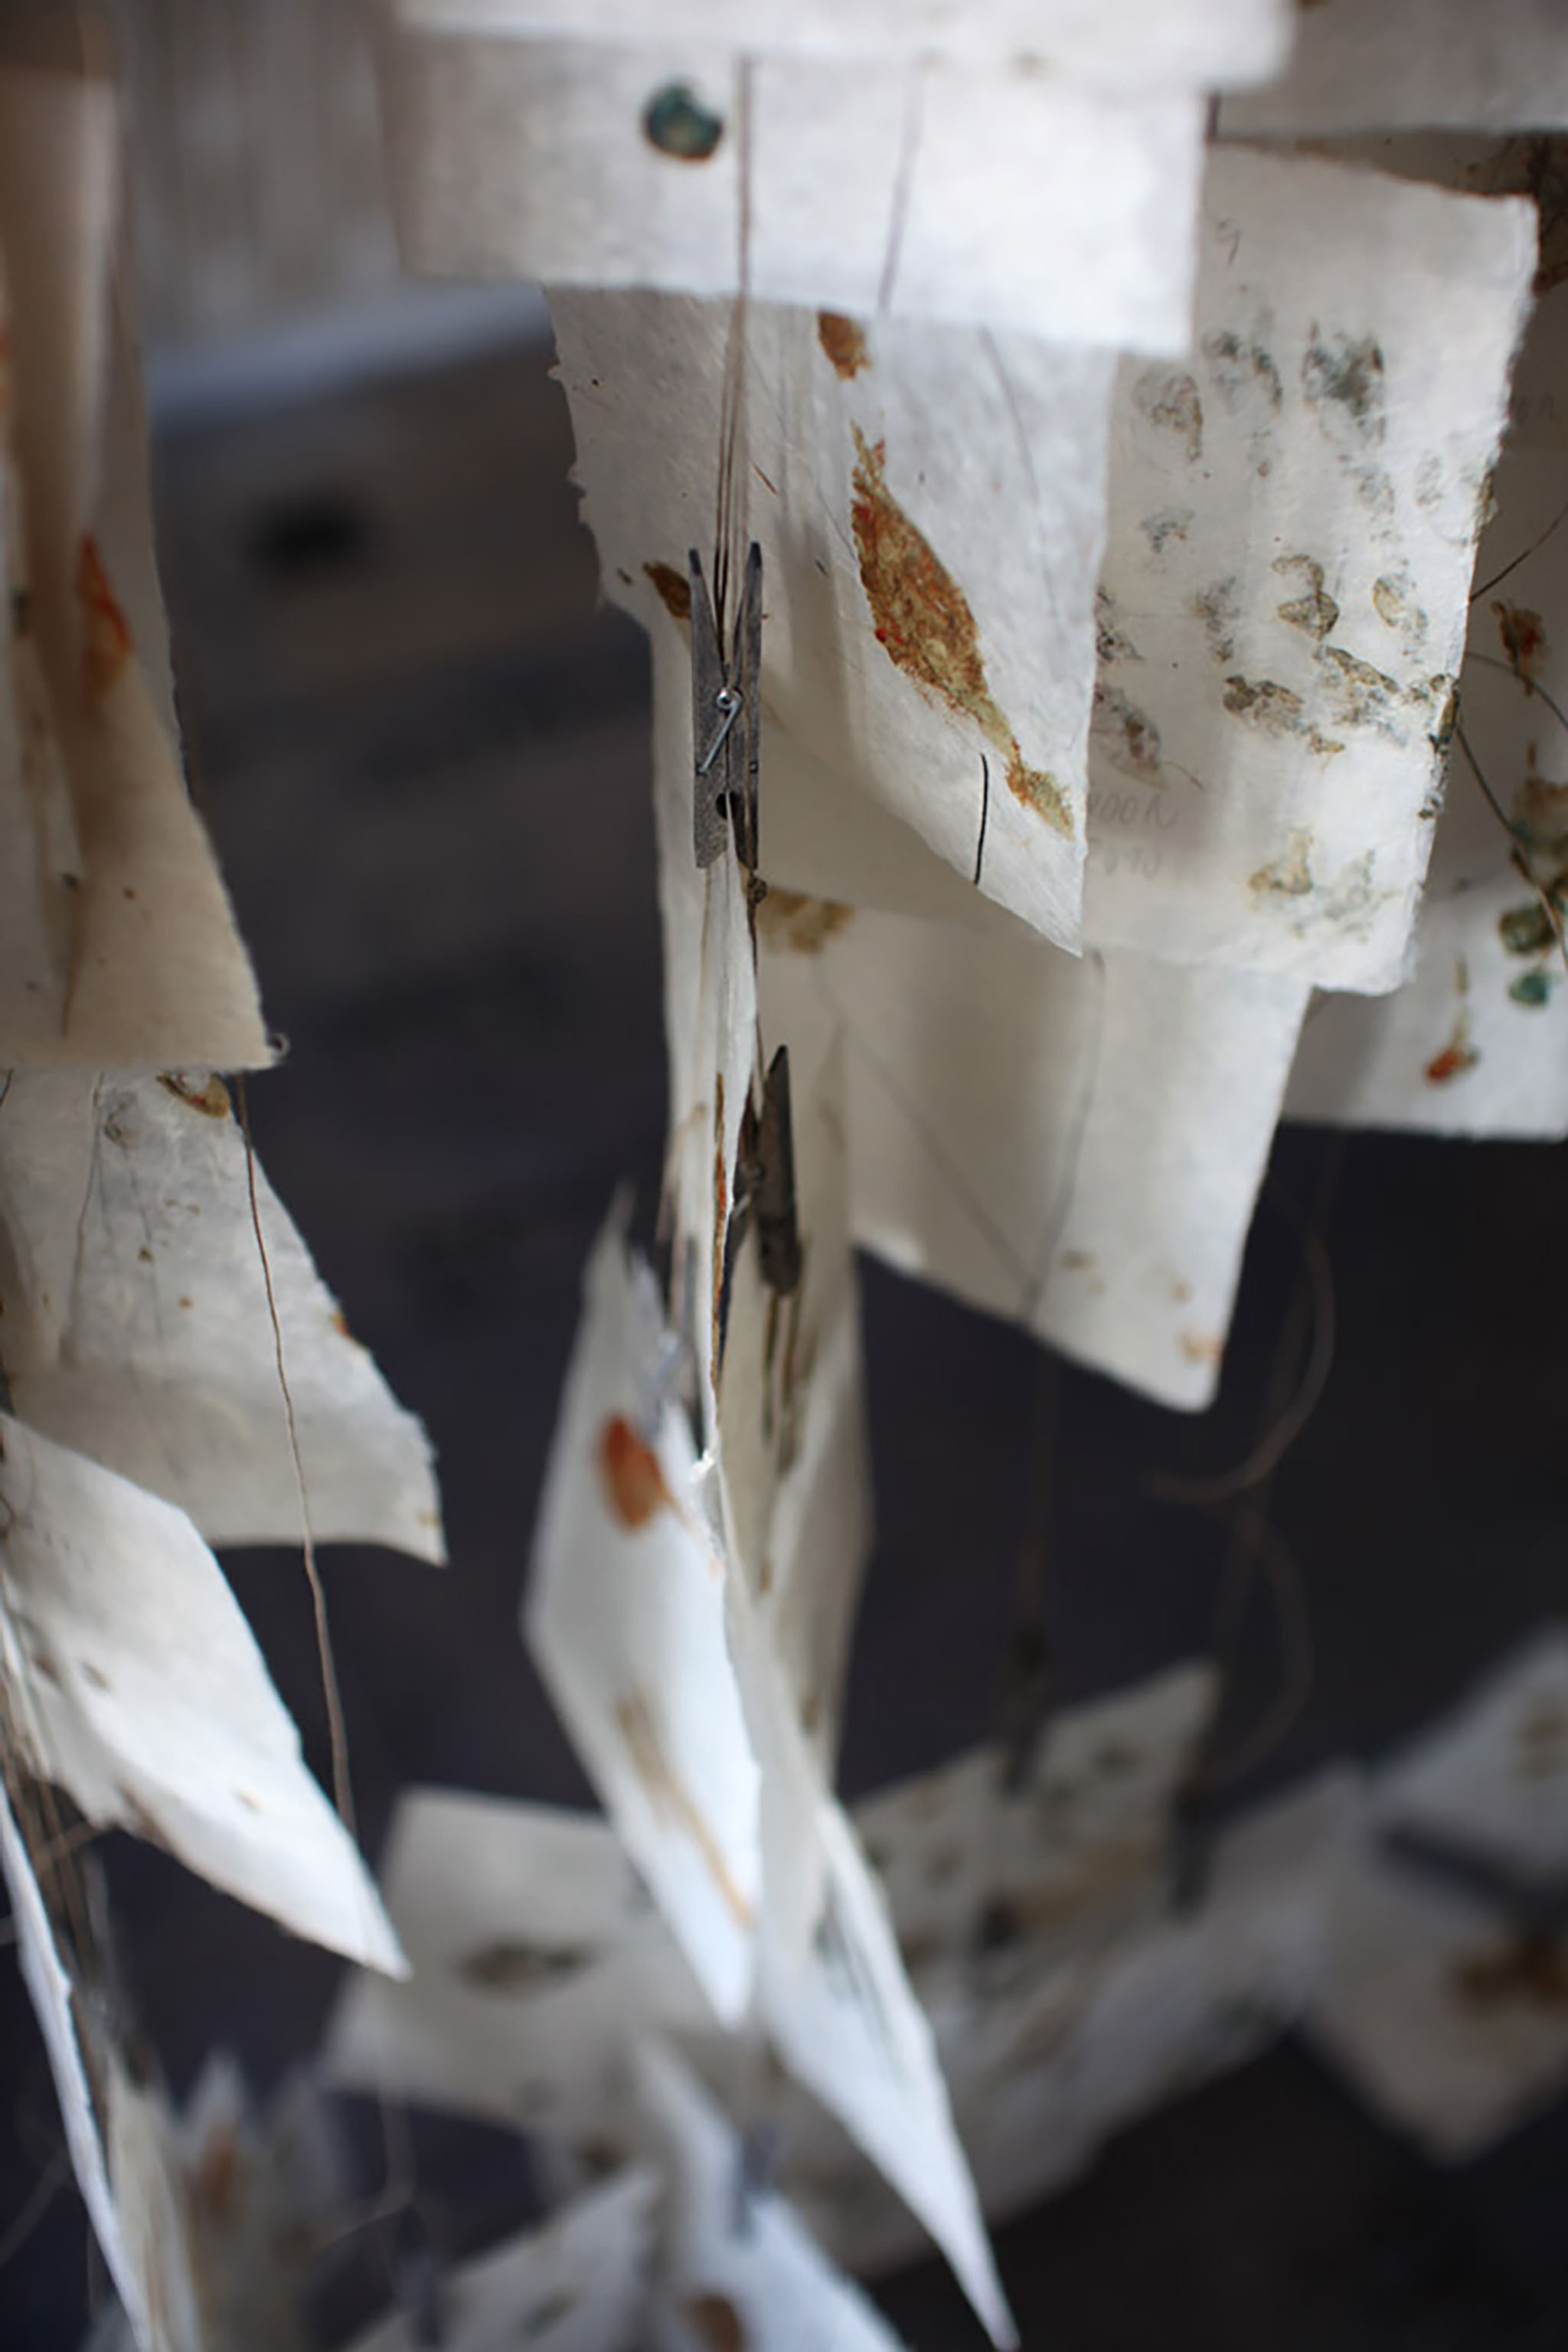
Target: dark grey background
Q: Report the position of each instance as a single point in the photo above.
(424, 754)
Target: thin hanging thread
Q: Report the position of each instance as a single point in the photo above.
(337, 1731)
(1254, 1543)
(399, 2190)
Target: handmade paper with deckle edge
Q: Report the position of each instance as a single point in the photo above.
(929, 507)
(133, 1681)
(918, 189)
(138, 1329)
(625, 1614)
(1293, 513)
(1475, 1042)
(156, 973)
(1074, 1144)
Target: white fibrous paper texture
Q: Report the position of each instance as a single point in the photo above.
(138, 1329)
(737, 2268)
(1075, 1144)
(923, 189)
(1491, 1782)
(1445, 2014)
(1477, 1042)
(1130, 45)
(624, 1615)
(577, 2285)
(537, 1959)
(109, 866)
(848, 2026)
(1063, 2012)
(1294, 509)
(1403, 64)
(930, 506)
(133, 1682)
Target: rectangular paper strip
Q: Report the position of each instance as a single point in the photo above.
(155, 972)
(1117, 43)
(138, 1329)
(625, 1617)
(929, 507)
(1076, 1145)
(131, 1680)
(1477, 1042)
(922, 189)
(1293, 516)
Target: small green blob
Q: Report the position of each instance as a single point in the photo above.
(676, 122)
(1526, 930)
(1531, 988)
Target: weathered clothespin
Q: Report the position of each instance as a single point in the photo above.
(726, 716)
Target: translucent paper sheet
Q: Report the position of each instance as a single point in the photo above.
(1128, 44)
(625, 1616)
(1293, 514)
(917, 188)
(123, 892)
(138, 1329)
(1076, 1145)
(133, 1681)
(929, 507)
(1477, 1042)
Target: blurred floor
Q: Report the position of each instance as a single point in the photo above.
(424, 755)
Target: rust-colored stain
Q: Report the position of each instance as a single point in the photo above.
(1523, 638)
(671, 1796)
(1314, 610)
(1528, 1971)
(924, 620)
(799, 924)
(1540, 823)
(106, 635)
(217, 2174)
(629, 1472)
(1200, 1347)
(211, 1098)
(844, 341)
(716, 2324)
(674, 589)
(1457, 1056)
(340, 1326)
(1290, 875)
